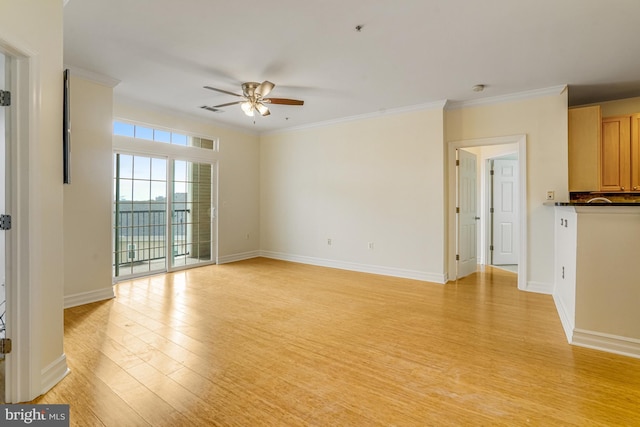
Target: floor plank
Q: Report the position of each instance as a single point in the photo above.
(265, 342)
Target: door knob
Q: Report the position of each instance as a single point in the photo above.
(477, 217)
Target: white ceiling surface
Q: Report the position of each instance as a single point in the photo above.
(409, 52)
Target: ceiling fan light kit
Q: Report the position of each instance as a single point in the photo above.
(254, 98)
(247, 108)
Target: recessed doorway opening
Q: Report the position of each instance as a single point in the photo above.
(470, 236)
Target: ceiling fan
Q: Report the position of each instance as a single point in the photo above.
(253, 98)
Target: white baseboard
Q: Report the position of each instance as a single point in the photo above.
(540, 288)
(88, 297)
(362, 268)
(54, 373)
(566, 318)
(238, 257)
(607, 342)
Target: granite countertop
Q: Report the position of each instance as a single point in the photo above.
(591, 204)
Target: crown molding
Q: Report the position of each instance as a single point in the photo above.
(93, 76)
(377, 114)
(518, 96)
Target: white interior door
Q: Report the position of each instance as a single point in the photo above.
(467, 216)
(505, 212)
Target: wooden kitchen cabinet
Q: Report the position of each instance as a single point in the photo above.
(615, 154)
(619, 154)
(584, 145)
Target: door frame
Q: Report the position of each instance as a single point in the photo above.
(521, 142)
(23, 376)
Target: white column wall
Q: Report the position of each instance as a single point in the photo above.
(33, 30)
(87, 199)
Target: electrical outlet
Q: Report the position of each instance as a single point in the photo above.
(329, 242)
(370, 245)
(550, 195)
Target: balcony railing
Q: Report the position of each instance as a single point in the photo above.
(140, 235)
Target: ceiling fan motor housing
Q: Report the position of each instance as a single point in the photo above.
(249, 89)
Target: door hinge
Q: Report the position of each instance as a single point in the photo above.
(5, 346)
(491, 210)
(5, 222)
(457, 210)
(457, 162)
(491, 247)
(5, 98)
(457, 257)
(491, 172)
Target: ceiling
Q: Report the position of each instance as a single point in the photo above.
(408, 52)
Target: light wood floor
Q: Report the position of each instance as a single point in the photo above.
(264, 342)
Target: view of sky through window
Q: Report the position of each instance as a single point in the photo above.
(160, 135)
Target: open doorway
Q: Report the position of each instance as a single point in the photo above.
(488, 194)
(22, 364)
(513, 238)
(3, 210)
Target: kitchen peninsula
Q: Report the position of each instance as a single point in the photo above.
(596, 276)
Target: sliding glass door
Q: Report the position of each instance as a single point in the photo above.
(144, 231)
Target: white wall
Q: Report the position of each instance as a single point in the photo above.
(238, 176)
(35, 29)
(564, 292)
(87, 200)
(382, 180)
(544, 121)
(377, 180)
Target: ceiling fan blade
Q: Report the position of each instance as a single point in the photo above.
(227, 104)
(283, 101)
(262, 109)
(221, 91)
(264, 88)
(214, 109)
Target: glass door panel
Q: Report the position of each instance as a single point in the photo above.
(191, 220)
(140, 207)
